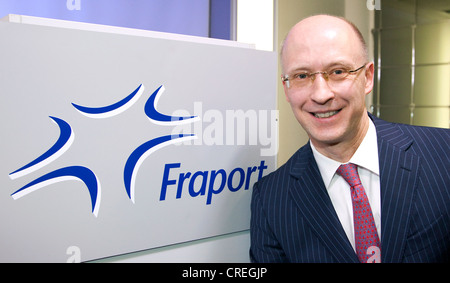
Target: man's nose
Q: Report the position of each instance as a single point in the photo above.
(321, 92)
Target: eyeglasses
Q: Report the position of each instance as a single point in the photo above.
(334, 76)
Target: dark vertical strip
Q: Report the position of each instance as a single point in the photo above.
(220, 19)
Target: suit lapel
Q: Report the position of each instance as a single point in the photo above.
(398, 180)
(311, 197)
(399, 170)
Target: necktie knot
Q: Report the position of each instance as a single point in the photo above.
(349, 172)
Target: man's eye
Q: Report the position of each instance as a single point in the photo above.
(302, 76)
(338, 72)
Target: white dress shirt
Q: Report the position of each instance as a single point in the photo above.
(366, 157)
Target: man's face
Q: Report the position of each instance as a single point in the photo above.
(330, 113)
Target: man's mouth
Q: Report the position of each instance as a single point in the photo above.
(326, 114)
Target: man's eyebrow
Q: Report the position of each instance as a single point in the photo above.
(339, 64)
(328, 66)
(300, 69)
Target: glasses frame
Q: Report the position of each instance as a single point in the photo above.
(312, 76)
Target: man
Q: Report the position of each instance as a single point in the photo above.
(396, 206)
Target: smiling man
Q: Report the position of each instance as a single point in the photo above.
(361, 189)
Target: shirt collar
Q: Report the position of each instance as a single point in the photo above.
(367, 153)
(366, 156)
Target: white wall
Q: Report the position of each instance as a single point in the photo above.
(222, 249)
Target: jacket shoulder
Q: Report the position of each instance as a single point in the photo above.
(422, 140)
(280, 179)
(427, 136)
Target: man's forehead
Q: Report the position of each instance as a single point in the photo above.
(324, 36)
(326, 42)
(321, 29)
(322, 21)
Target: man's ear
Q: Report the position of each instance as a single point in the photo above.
(285, 87)
(370, 71)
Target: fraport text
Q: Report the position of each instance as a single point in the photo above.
(207, 182)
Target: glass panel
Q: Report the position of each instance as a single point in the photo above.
(396, 47)
(395, 114)
(432, 86)
(432, 43)
(397, 13)
(432, 11)
(176, 16)
(432, 117)
(395, 88)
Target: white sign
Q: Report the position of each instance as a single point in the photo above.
(115, 143)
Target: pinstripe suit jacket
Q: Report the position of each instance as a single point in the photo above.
(293, 219)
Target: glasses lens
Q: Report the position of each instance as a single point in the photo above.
(334, 77)
(337, 74)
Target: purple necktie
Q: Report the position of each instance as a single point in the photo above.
(366, 237)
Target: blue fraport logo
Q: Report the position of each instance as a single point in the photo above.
(135, 159)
